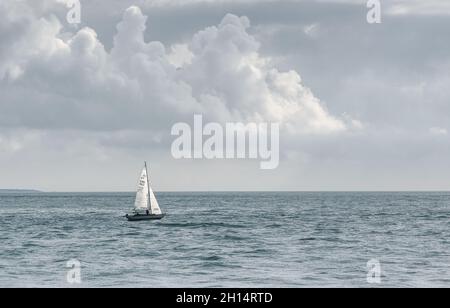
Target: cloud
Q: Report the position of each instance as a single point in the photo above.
(438, 131)
(418, 7)
(181, 3)
(52, 78)
(86, 100)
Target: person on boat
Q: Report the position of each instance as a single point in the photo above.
(147, 212)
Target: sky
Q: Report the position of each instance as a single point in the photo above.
(360, 106)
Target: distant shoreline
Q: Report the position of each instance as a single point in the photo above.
(21, 191)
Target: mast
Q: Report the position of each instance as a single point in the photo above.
(148, 188)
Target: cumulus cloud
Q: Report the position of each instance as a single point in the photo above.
(438, 131)
(51, 78)
(418, 7)
(89, 99)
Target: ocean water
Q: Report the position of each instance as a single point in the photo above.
(227, 240)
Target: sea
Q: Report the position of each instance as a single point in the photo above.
(229, 239)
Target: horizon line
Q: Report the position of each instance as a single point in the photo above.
(225, 191)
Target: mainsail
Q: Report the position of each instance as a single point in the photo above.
(141, 202)
(145, 198)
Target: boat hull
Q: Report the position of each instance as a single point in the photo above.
(144, 217)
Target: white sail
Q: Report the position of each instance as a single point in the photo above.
(141, 202)
(154, 206)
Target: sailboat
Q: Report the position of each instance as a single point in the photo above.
(146, 206)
